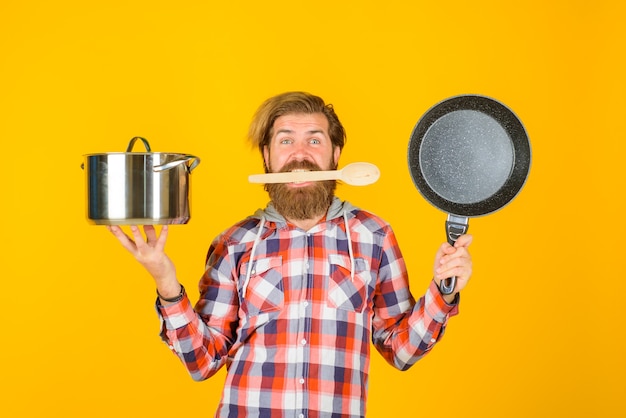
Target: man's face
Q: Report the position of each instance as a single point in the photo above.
(301, 142)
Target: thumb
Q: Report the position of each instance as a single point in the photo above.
(463, 241)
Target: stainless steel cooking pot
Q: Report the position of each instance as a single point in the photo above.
(138, 188)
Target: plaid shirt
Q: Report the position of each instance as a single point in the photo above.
(291, 313)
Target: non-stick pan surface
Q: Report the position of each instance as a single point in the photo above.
(469, 155)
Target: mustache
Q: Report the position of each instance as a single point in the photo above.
(301, 165)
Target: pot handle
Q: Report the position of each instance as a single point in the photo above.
(130, 146)
(171, 164)
(132, 143)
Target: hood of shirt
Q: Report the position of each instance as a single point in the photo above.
(337, 208)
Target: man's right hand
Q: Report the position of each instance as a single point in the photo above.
(150, 253)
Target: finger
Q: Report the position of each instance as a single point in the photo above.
(444, 249)
(460, 273)
(458, 267)
(124, 239)
(458, 257)
(442, 252)
(160, 244)
(462, 256)
(118, 233)
(464, 241)
(138, 238)
(151, 236)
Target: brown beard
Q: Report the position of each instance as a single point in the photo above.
(302, 203)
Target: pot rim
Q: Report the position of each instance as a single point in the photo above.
(134, 153)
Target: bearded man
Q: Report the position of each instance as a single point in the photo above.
(294, 296)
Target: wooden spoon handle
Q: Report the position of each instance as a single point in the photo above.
(290, 177)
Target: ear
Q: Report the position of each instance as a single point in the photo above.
(266, 158)
(336, 155)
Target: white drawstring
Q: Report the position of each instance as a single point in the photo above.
(254, 245)
(345, 220)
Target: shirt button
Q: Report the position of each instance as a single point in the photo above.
(303, 341)
(305, 303)
(301, 381)
(432, 340)
(301, 416)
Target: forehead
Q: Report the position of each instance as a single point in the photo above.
(301, 123)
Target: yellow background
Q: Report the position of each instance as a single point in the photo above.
(541, 330)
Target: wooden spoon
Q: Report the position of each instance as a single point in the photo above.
(355, 174)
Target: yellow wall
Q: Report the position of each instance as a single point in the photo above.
(541, 330)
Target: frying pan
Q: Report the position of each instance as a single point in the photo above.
(469, 156)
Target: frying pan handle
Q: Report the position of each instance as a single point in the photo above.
(455, 227)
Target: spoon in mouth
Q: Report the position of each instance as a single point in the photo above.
(354, 174)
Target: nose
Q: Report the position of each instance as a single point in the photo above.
(300, 151)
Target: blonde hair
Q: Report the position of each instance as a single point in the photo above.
(260, 131)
